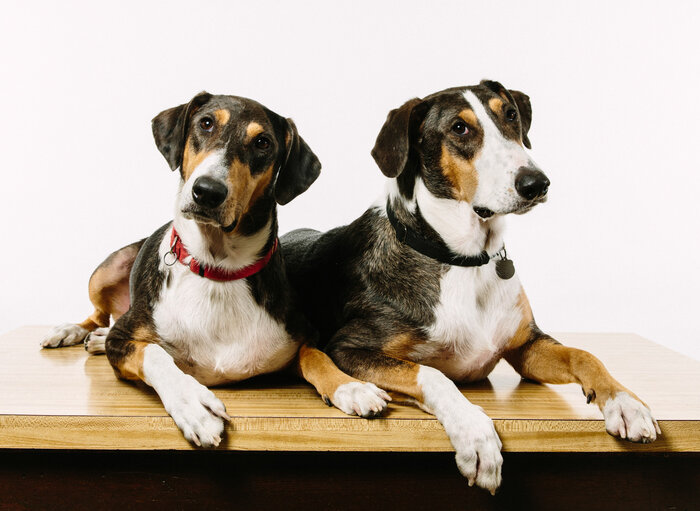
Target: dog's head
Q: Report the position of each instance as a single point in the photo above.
(235, 157)
(466, 144)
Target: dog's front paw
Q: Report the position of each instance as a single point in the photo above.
(198, 413)
(360, 398)
(478, 448)
(66, 334)
(628, 418)
(95, 341)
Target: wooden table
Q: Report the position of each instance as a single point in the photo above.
(69, 402)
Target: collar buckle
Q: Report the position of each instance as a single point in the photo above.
(173, 244)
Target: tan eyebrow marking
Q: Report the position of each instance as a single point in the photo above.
(496, 104)
(222, 116)
(469, 116)
(253, 130)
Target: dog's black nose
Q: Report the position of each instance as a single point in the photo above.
(209, 192)
(531, 183)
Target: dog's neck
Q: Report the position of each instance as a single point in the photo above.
(451, 222)
(211, 246)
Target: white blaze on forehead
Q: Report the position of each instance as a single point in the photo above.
(496, 163)
(487, 124)
(497, 152)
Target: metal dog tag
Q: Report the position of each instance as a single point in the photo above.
(505, 268)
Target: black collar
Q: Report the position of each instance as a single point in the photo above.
(438, 251)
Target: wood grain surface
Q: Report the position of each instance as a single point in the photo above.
(67, 399)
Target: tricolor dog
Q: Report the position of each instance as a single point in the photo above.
(205, 300)
(418, 292)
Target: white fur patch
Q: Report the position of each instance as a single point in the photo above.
(215, 330)
(66, 334)
(358, 398)
(476, 317)
(478, 312)
(470, 430)
(195, 409)
(496, 163)
(460, 228)
(628, 418)
(242, 251)
(391, 192)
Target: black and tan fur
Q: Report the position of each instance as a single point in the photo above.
(380, 306)
(254, 159)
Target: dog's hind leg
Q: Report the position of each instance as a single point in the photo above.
(469, 429)
(109, 293)
(346, 393)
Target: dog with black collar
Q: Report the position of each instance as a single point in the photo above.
(418, 292)
(205, 300)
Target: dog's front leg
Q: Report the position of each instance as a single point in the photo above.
(350, 395)
(135, 355)
(547, 361)
(469, 429)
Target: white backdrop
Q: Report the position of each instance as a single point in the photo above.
(615, 94)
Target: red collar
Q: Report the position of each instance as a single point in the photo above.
(212, 272)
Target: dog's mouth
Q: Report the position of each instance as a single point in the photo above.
(483, 212)
(206, 217)
(519, 209)
(527, 206)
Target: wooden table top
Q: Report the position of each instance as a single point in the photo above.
(67, 399)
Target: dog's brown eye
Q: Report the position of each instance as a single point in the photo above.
(207, 124)
(460, 128)
(511, 114)
(262, 142)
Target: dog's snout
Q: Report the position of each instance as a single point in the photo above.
(209, 192)
(531, 183)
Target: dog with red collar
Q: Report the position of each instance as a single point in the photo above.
(419, 292)
(205, 300)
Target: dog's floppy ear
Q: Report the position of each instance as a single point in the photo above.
(521, 100)
(301, 167)
(392, 149)
(170, 129)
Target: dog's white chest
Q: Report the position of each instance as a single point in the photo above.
(477, 315)
(216, 331)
